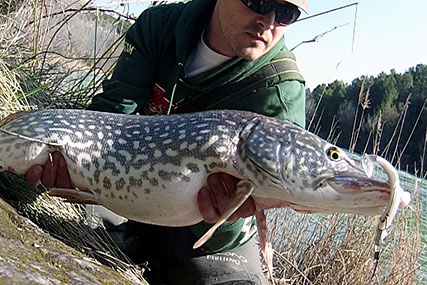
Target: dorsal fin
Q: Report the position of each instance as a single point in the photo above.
(12, 117)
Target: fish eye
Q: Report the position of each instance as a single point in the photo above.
(334, 154)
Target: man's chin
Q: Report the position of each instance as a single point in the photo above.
(251, 54)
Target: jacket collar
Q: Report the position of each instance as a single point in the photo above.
(189, 28)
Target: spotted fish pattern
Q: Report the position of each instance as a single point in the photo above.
(150, 168)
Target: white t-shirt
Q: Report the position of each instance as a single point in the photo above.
(203, 58)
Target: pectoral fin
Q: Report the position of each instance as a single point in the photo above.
(266, 247)
(76, 195)
(243, 190)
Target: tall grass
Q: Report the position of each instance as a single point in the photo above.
(55, 54)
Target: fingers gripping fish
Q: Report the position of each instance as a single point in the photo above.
(150, 168)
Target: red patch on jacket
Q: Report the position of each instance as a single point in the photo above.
(158, 104)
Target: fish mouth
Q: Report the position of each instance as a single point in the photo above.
(349, 183)
(344, 192)
(354, 194)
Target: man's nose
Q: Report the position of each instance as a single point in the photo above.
(267, 21)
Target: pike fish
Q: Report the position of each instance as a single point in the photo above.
(151, 168)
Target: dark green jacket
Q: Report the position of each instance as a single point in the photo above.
(156, 49)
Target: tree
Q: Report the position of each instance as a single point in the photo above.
(389, 110)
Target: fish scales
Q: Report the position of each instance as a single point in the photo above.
(150, 168)
(118, 155)
(116, 136)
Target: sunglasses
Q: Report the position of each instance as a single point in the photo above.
(285, 14)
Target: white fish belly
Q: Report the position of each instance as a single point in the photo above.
(175, 206)
(168, 200)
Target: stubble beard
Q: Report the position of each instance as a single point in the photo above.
(248, 53)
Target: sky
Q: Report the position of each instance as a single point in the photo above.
(389, 34)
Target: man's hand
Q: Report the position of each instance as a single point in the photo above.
(214, 199)
(53, 174)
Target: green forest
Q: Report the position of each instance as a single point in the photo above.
(384, 115)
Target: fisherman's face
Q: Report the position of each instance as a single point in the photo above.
(235, 30)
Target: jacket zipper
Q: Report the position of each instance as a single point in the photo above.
(180, 69)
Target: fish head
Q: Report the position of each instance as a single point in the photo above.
(297, 169)
(331, 182)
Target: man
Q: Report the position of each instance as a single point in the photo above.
(175, 55)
